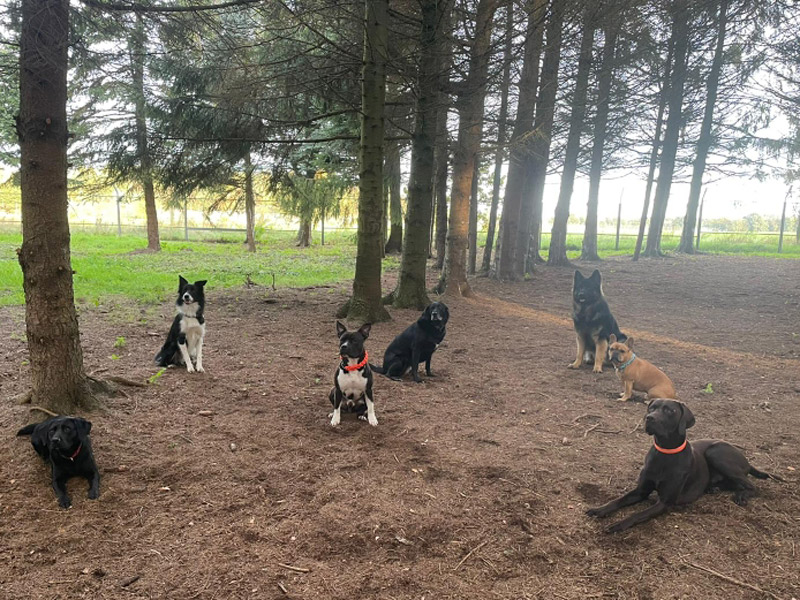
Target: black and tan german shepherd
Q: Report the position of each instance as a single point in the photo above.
(593, 321)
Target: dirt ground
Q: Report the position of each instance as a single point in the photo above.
(473, 485)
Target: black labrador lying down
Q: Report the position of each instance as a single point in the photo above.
(64, 443)
(678, 471)
(416, 344)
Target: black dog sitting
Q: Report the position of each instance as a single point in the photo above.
(416, 344)
(352, 383)
(64, 443)
(678, 471)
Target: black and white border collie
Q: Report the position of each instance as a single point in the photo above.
(352, 383)
(184, 343)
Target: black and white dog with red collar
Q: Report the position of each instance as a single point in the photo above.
(352, 383)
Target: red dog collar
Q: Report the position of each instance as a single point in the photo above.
(78, 451)
(360, 365)
(671, 450)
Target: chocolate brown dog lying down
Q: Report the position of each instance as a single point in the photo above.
(678, 471)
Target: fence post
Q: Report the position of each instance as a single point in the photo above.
(322, 221)
(619, 218)
(783, 223)
(186, 219)
(700, 220)
(118, 197)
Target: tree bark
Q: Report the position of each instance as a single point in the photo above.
(557, 255)
(395, 241)
(56, 358)
(472, 238)
(366, 303)
(304, 234)
(528, 240)
(706, 139)
(520, 146)
(680, 35)
(250, 205)
(442, 151)
(470, 127)
(605, 81)
(502, 125)
(411, 289)
(142, 143)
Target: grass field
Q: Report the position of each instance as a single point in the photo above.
(108, 266)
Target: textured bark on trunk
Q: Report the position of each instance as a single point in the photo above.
(557, 256)
(56, 359)
(142, 144)
(411, 289)
(442, 151)
(304, 234)
(395, 241)
(605, 81)
(470, 127)
(706, 139)
(250, 205)
(366, 303)
(530, 221)
(680, 35)
(520, 146)
(472, 238)
(502, 125)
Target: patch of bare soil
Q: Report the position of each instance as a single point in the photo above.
(472, 486)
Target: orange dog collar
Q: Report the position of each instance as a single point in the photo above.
(360, 365)
(671, 450)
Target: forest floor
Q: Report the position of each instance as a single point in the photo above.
(473, 485)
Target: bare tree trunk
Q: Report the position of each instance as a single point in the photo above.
(442, 152)
(366, 303)
(502, 125)
(395, 241)
(680, 33)
(558, 236)
(472, 255)
(654, 152)
(250, 205)
(528, 240)
(605, 80)
(56, 359)
(304, 234)
(521, 145)
(470, 127)
(142, 144)
(706, 139)
(411, 289)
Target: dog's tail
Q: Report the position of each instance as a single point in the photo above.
(762, 475)
(377, 369)
(163, 356)
(27, 430)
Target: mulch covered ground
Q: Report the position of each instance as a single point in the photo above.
(474, 483)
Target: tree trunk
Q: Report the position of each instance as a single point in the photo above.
(304, 234)
(472, 256)
(366, 303)
(142, 144)
(557, 255)
(250, 206)
(605, 80)
(528, 240)
(654, 152)
(442, 152)
(680, 35)
(502, 125)
(411, 289)
(470, 127)
(395, 241)
(520, 146)
(56, 359)
(706, 139)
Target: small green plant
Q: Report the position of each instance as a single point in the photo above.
(115, 357)
(155, 376)
(120, 343)
(708, 389)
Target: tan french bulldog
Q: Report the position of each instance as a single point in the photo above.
(636, 373)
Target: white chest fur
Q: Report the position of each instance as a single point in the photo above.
(194, 331)
(353, 384)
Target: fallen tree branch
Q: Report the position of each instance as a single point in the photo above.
(732, 580)
(470, 553)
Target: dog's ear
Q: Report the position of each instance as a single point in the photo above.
(578, 277)
(181, 282)
(82, 425)
(629, 343)
(595, 276)
(201, 283)
(426, 314)
(687, 419)
(340, 329)
(364, 330)
(612, 339)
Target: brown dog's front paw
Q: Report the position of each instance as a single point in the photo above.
(574, 365)
(597, 369)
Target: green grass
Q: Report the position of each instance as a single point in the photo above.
(106, 267)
